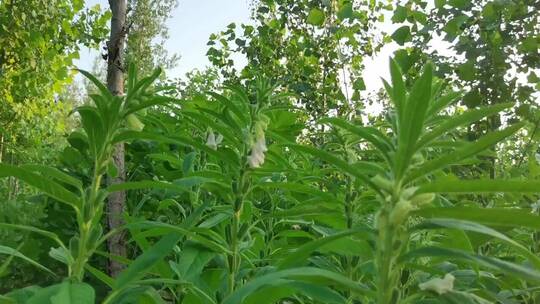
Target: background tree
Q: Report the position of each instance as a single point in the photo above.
(491, 50)
(313, 49)
(136, 25)
(147, 33)
(115, 83)
(40, 40)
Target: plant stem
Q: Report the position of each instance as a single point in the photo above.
(390, 244)
(85, 225)
(384, 259)
(234, 258)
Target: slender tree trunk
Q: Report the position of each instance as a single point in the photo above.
(115, 83)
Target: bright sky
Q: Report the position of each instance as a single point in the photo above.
(193, 21)
(191, 24)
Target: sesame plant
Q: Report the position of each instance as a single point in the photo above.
(232, 201)
(415, 193)
(103, 124)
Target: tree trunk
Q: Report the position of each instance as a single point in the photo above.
(115, 83)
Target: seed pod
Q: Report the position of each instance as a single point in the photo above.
(400, 212)
(87, 211)
(95, 234)
(134, 123)
(74, 246)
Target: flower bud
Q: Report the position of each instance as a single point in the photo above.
(212, 141)
(421, 200)
(400, 212)
(256, 159)
(134, 123)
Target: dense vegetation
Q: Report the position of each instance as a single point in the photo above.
(281, 181)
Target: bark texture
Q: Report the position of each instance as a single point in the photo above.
(115, 82)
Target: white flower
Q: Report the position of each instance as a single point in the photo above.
(212, 141)
(256, 159)
(438, 285)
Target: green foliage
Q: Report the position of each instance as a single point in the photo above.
(147, 35)
(101, 123)
(263, 191)
(39, 41)
(308, 47)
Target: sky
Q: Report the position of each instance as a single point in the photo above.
(191, 24)
(193, 21)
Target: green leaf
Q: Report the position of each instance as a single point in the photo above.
(467, 71)
(132, 76)
(464, 152)
(193, 259)
(529, 44)
(442, 102)
(18, 254)
(141, 86)
(481, 186)
(64, 293)
(346, 11)
(453, 27)
(74, 293)
(49, 187)
(147, 260)
(272, 294)
(303, 252)
(239, 107)
(398, 93)
(413, 120)
(147, 103)
(376, 138)
(497, 217)
(463, 119)
(102, 88)
(94, 127)
(297, 274)
(335, 161)
(42, 232)
(195, 234)
(478, 228)
(223, 130)
(402, 35)
(359, 84)
(299, 188)
(400, 14)
(472, 99)
(461, 4)
(178, 140)
(150, 184)
(103, 277)
(20, 296)
(54, 173)
(489, 262)
(440, 3)
(316, 17)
